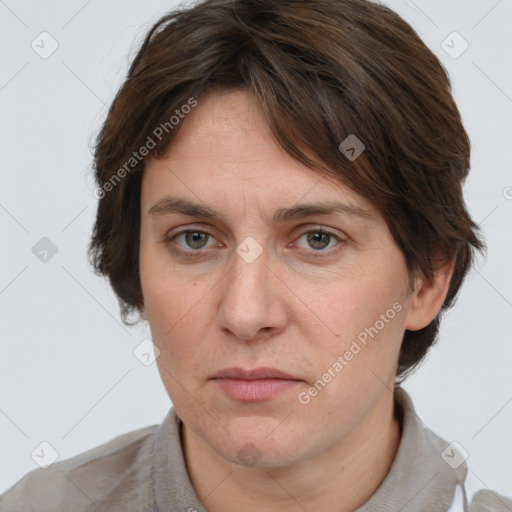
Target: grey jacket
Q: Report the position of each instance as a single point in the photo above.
(144, 471)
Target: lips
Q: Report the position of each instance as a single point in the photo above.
(257, 385)
(255, 374)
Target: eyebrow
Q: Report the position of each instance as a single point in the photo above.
(169, 205)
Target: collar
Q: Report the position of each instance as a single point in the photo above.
(419, 478)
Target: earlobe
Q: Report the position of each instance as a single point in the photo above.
(428, 297)
(142, 313)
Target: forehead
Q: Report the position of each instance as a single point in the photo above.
(224, 123)
(226, 155)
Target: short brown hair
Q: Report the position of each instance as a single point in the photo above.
(321, 70)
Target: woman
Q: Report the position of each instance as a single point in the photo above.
(280, 198)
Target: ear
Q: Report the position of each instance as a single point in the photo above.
(428, 297)
(142, 312)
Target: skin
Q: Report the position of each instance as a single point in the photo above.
(287, 309)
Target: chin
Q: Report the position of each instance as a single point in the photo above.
(261, 456)
(261, 442)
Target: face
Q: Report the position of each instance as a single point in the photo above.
(321, 298)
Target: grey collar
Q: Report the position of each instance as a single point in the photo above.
(420, 479)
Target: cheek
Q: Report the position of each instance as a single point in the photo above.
(365, 320)
(349, 306)
(166, 296)
(173, 312)
(174, 305)
(165, 300)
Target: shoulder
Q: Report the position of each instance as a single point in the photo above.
(423, 452)
(112, 476)
(490, 501)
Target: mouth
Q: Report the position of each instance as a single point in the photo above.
(257, 385)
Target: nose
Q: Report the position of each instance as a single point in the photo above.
(253, 299)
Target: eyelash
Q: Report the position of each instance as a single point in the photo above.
(194, 254)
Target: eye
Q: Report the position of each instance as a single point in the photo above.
(320, 239)
(192, 239)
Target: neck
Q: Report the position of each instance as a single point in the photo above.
(341, 479)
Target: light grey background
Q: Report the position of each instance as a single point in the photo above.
(68, 375)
